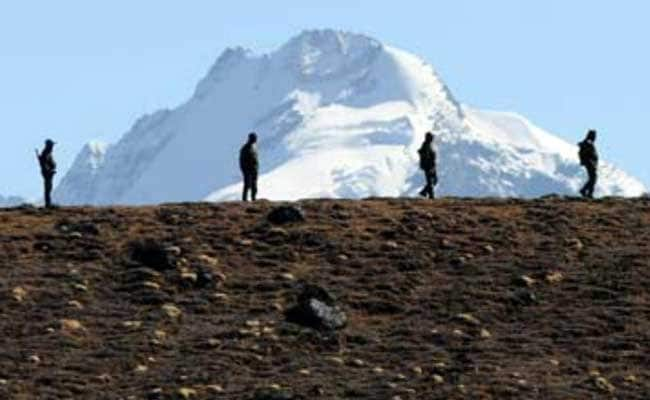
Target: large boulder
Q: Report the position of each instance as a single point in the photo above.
(317, 309)
(286, 215)
(152, 254)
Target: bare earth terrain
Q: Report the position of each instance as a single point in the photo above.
(452, 299)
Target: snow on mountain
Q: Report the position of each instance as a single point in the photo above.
(338, 115)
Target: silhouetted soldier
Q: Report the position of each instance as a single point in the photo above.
(249, 164)
(48, 169)
(589, 159)
(428, 165)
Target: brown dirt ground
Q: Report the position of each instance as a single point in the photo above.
(452, 299)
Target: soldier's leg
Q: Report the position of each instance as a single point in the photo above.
(246, 187)
(593, 177)
(583, 191)
(254, 186)
(48, 192)
(425, 189)
(429, 188)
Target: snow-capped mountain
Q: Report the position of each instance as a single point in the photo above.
(338, 115)
(11, 201)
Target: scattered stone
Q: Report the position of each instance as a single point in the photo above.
(132, 324)
(34, 359)
(438, 380)
(575, 244)
(152, 254)
(488, 249)
(554, 277)
(400, 377)
(337, 360)
(316, 309)
(246, 242)
(76, 235)
(215, 388)
(605, 385)
(155, 394)
(358, 363)
(210, 261)
(288, 277)
(186, 393)
(630, 379)
(468, 319)
(378, 370)
(485, 334)
(554, 362)
(71, 325)
(286, 215)
(305, 372)
(526, 280)
(141, 369)
(75, 304)
(172, 311)
(80, 287)
(417, 370)
(19, 294)
(220, 296)
(273, 393)
(174, 251)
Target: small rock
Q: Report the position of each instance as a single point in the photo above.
(438, 380)
(554, 277)
(605, 385)
(80, 287)
(132, 324)
(215, 388)
(186, 393)
(357, 363)
(378, 370)
(172, 311)
(246, 242)
(316, 309)
(400, 377)
(188, 276)
(71, 325)
(488, 249)
(253, 323)
(554, 362)
(286, 215)
(19, 294)
(75, 304)
(210, 261)
(417, 370)
(34, 359)
(304, 372)
(288, 277)
(151, 285)
(76, 235)
(630, 379)
(174, 251)
(141, 369)
(468, 318)
(155, 394)
(337, 360)
(527, 281)
(575, 244)
(220, 296)
(485, 334)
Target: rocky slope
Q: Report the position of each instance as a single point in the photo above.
(340, 115)
(451, 299)
(10, 201)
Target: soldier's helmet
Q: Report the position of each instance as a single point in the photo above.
(50, 143)
(591, 135)
(252, 137)
(429, 136)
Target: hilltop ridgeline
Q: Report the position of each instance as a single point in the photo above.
(375, 299)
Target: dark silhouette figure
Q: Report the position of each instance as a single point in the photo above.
(249, 164)
(589, 159)
(428, 165)
(48, 169)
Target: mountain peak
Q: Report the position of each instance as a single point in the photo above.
(325, 53)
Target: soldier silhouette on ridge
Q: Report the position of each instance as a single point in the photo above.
(48, 170)
(249, 164)
(589, 159)
(428, 166)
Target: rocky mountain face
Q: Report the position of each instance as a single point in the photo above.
(452, 299)
(339, 115)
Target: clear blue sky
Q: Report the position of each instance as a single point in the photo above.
(82, 70)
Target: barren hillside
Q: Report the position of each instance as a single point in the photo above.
(452, 299)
